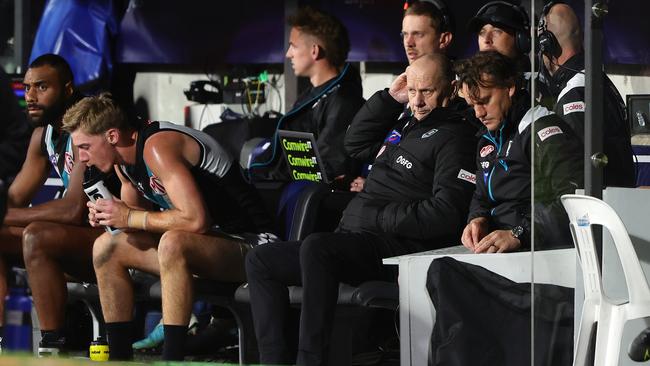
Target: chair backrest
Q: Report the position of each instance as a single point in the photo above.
(585, 211)
(299, 206)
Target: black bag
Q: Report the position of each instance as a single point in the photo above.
(485, 319)
(232, 134)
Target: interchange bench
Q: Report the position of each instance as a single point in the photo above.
(300, 215)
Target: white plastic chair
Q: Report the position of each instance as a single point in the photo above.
(585, 211)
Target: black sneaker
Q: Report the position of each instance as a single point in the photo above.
(639, 350)
(218, 334)
(51, 347)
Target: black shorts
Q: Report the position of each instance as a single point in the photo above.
(250, 239)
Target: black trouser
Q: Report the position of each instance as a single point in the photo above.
(318, 263)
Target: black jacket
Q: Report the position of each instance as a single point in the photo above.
(504, 173)
(569, 84)
(326, 111)
(15, 131)
(418, 189)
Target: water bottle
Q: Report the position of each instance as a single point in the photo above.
(640, 119)
(95, 189)
(99, 350)
(18, 316)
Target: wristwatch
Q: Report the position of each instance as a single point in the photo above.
(517, 232)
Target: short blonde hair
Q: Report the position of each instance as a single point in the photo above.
(94, 115)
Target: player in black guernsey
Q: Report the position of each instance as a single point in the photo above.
(186, 210)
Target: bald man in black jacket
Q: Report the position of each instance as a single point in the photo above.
(416, 198)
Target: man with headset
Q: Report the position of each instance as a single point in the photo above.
(503, 27)
(427, 28)
(318, 48)
(560, 45)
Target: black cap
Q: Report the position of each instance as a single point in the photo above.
(499, 14)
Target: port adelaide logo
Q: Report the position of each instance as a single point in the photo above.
(486, 150)
(69, 162)
(156, 186)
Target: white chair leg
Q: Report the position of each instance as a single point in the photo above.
(587, 324)
(610, 331)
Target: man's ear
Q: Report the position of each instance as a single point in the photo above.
(112, 136)
(69, 89)
(455, 88)
(317, 52)
(445, 40)
(511, 90)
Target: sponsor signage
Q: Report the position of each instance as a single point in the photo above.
(573, 107)
(548, 132)
(403, 161)
(302, 156)
(467, 176)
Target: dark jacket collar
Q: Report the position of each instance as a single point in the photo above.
(520, 105)
(348, 77)
(437, 116)
(569, 69)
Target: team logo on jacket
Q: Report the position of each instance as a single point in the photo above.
(573, 107)
(69, 163)
(466, 176)
(156, 185)
(394, 137)
(548, 132)
(486, 150)
(485, 164)
(429, 133)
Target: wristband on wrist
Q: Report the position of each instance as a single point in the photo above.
(137, 219)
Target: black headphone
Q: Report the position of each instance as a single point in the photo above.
(448, 24)
(522, 37)
(548, 44)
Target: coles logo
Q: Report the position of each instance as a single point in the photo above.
(69, 162)
(573, 107)
(467, 176)
(486, 150)
(156, 185)
(403, 161)
(548, 132)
